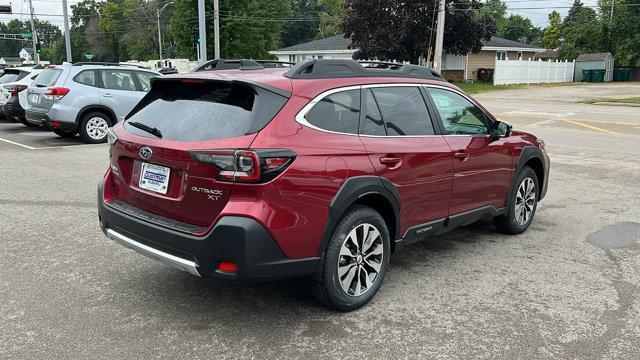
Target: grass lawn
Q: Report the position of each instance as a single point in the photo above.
(631, 100)
(480, 87)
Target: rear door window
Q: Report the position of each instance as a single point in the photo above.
(48, 77)
(204, 111)
(118, 80)
(339, 112)
(87, 77)
(403, 110)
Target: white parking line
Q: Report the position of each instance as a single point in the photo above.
(18, 144)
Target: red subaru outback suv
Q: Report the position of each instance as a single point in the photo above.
(321, 170)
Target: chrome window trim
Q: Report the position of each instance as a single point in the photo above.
(300, 116)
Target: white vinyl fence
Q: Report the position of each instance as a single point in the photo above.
(532, 71)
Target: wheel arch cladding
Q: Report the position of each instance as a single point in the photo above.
(373, 191)
(97, 108)
(532, 157)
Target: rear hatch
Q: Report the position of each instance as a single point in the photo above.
(38, 97)
(164, 154)
(9, 76)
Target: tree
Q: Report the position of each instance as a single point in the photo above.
(401, 29)
(518, 28)
(331, 16)
(553, 32)
(297, 32)
(625, 33)
(581, 32)
(496, 10)
(248, 28)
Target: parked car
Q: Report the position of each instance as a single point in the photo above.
(321, 170)
(10, 75)
(244, 64)
(85, 98)
(9, 95)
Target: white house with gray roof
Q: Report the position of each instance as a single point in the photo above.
(455, 67)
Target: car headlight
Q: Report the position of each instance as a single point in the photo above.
(112, 138)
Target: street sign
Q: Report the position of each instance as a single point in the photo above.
(26, 35)
(88, 56)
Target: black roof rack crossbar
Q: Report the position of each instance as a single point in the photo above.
(341, 68)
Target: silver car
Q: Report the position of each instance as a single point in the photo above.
(85, 98)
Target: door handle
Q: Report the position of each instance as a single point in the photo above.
(391, 161)
(462, 155)
(107, 95)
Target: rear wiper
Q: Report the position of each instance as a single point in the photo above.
(151, 130)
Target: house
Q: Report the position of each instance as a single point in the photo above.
(454, 67)
(547, 55)
(26, 54)
(594, 61)
(5, 60)
(334, 47)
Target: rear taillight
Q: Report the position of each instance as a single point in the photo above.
(15, 89)
(252, 166)
(56, 93)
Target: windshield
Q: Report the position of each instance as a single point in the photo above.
(48, 77)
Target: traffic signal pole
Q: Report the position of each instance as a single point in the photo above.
(202, 32)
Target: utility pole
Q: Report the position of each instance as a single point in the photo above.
(67, 38)
(612, 2)
(202, 32)
(158, 13)
(34, 36)
(437, 56)
(216, 29)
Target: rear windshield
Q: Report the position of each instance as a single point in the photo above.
(11, 76)
(204, 111)
(48, 77)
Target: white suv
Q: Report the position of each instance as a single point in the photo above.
(85, 98)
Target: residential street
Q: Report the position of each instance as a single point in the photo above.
(567, 288)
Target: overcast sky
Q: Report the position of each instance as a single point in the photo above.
(537, 16)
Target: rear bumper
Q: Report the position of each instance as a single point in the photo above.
(12, 108)
(35, 117)
(233, 239)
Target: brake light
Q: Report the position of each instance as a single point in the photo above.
(228, 266)
(56, 93)
(15, 89)
(251, 166)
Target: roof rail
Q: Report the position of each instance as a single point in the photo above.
(241, 64)
(344, 68)
(107, 64)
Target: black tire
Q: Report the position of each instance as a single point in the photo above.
(85, 133)
(64, 133)
(508, 222)
(327, 288)
(24, 122)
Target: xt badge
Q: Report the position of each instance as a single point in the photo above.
(212, 194)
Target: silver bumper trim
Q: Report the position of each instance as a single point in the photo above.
(171, 260)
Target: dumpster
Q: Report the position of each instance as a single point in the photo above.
(586, 75)
(623, 74)
(598, 75)
(617, 75)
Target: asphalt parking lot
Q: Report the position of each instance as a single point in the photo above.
(567, 288)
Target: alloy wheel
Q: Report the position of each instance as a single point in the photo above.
(525, 201)
(360, 260)
(97, 128)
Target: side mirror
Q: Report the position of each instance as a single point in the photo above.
(501, 130)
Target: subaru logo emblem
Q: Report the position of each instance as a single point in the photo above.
(145, 152)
